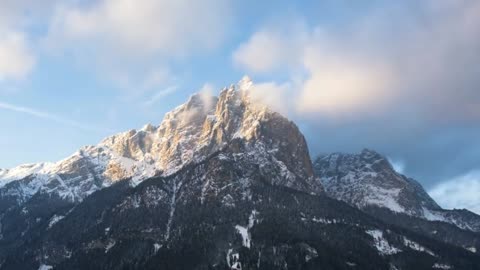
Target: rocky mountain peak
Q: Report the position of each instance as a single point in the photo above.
(370, 154)
(368, 179)
(367, 161)
(191, 132)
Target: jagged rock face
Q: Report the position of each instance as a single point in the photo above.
(243, 130)
(368, 179)
(205, 125)
(188, 134)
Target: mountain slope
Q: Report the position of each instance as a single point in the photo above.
(368, 181)
(32, 194)
(241, 220)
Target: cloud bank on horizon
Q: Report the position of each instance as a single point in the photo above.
(398, 77)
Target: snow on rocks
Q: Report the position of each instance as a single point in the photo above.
(244, 230)
(368, 179)
(387, 198)
(441, 266)
(109, 245)
(381, 244)
(156, 247)
(415, 246)
(45, 267)
(311, 253)
(54, 220)
(471, 249)
(233, 260)
(359, 180)
(432, 215)
(385, 248)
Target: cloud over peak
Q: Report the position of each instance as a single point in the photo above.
(401, 78)
(396, 55)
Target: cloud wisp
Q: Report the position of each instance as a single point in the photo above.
(48, 116)
(160, 94)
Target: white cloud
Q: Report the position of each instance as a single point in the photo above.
(337, 81)
(340, 83)
(47, 116)
(272, 95)
(380, 62)
(141, 27)
(17, 43)
(18, 19)
(126, 41)
(16, 58)
(270, 49)
(206, 94)
(460, 192)
(398, 165)
(207, 90)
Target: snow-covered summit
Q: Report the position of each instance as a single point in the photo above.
(368, 179)
(191, 132)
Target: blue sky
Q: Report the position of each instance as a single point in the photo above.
(400, 77)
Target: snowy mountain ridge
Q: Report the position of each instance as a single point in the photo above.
(368, 179)
(188, 134)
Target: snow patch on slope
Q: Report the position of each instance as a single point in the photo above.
(381, 244)
(471, 249)
(54, 220)
(441, 266)
(415, 246)
(45, 267)
(387, 198)
(244, 230)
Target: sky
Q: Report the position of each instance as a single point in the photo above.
(399, 77)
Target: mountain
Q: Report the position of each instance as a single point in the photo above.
(191, 132)
(368, 179)
(369, 182)
(224, 212)
(222, 183)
